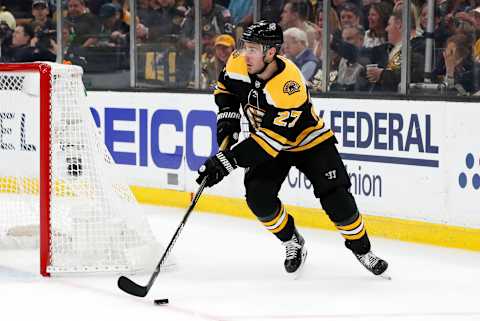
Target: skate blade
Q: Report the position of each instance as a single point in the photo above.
(298, 273)
(385, 276)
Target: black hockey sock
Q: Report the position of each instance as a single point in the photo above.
(355, 235)
(281, 224)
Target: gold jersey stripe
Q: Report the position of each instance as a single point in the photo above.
(282, 140)
(315, 116)
(221, 91)
(264, 145)
(351, 226)
(221, 86)
(315, 142)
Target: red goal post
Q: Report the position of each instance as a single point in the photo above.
(73, 202)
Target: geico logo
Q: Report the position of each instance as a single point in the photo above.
(161, 137)
(383, 131)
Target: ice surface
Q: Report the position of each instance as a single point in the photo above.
(231, 269)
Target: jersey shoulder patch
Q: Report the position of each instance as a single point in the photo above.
(236, 67)
(288, 89)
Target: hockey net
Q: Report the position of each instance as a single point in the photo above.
(59, 188)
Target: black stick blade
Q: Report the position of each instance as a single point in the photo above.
(131, 287)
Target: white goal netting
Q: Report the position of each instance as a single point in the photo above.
(94, 221)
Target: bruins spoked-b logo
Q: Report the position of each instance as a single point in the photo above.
(291, 87)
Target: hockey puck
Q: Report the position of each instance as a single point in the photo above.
(160, 301)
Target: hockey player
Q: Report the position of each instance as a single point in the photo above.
(284, 132)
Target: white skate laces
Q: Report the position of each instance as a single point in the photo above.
(374, 264)
(292, 247)
(369, 260)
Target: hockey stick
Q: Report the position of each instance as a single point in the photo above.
(133, 288)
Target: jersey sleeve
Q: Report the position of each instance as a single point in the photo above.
(225, 99)
(235, 69)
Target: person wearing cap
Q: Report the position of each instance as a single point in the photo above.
(44, 28)
(113, 31)
(224, 45)
(41, 20)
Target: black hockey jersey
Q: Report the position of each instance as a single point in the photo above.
(279, 110)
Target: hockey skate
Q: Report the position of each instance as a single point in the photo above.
(373, 263)
(296, 254)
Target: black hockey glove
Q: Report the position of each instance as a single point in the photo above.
(216, 168)
(228, 125)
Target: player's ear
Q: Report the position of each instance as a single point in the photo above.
(271, 53)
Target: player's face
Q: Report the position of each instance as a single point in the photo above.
(254, 57)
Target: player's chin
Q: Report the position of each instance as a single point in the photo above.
(251, 70)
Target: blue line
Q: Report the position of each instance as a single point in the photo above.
(391, 160)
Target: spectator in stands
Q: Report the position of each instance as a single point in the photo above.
(113, 31)
(295, 14)
(7, 25)
(19, 50)
(295, 48)
(145, 13)
(459, 74)
(350, 76)
(335, 26)
(45, 38)
(165, 20)
(85, 26)
(475, 14)
(41, 20)
(337, 5)
(216, 20)
(8, 18)
(378, 15)
(350, 15)
(211, 67)
(20, 9)
(387, 77)
(271, 9)
(440, 32)
(95, 5)
(23, 49)
(385, 60)
(242, 12)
